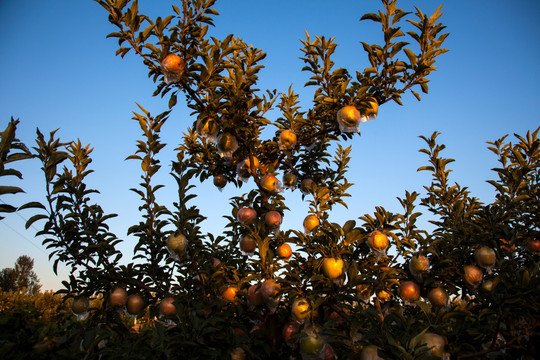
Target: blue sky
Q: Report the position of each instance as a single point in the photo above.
(57, 70)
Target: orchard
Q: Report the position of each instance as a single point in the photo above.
(374, 287)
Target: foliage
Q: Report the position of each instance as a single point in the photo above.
(8, 144)
(20, 278)
(349, 308)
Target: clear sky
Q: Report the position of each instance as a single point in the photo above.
(57, 70)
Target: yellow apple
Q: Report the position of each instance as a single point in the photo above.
(287, 140)
(332, 267)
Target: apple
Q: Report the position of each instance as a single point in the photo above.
(371, 111)
(370, 352)
(409, 291)
(378, 241)
(311, 344)
(472, 275)
(173, 67)
(534, 245)
(438, 296)
(487, 285)
(118, 297)
(289, 330)
(272, 219)
(227, 145)
(220, 181)
(434, 342)
(306, 186)
(418, 264)
(254, 295)
(247, 244)
(238, 354)
(167, 307)
(271, 184)
(246, 215)
(332, 267)
(80, 305)
(348, 118)
(176, 243)
(289, 181)
(300, 309)
(270, 289)
(485, 257)
(244, 168)
(287, 140)
(284, 251)
(208, 128)
(310, 223)
(230, 293)
(135, 304)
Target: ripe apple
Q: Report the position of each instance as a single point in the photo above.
(534, 245)
(472, 275)
(370, 352)
(418, 264)
(348, 118)
(284, 251)
(312, 344)
(272, 219)
(135, 304)
(244, 168)
(487, 285)
(289, 330)
(485, 257)
(176, 243)
(287, 140)
(300, 309)
(371, 111)
(310, 223)
(230, 293)
(254, 295)
(378, 241)
(438, 296)
(434, 342)
(167, 307)
(306, 186)
(118, 297)
(409, 291)
(173, 67)
(332, 267)
(227, 145)
(80, 305)
(289, 181)
(238, 354)
(247, 244)
(270, 289)
(208, 128)
(271, 184)
(220, 181)
(246, 215)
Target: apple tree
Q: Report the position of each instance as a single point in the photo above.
(372, 287)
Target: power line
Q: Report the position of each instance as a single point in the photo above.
(24, 237)
(18, 233)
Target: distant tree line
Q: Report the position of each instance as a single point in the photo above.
(21, 277)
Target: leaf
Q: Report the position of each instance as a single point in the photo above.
(371, 16)
(32, 205)
(10, 190)
(35, 218)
